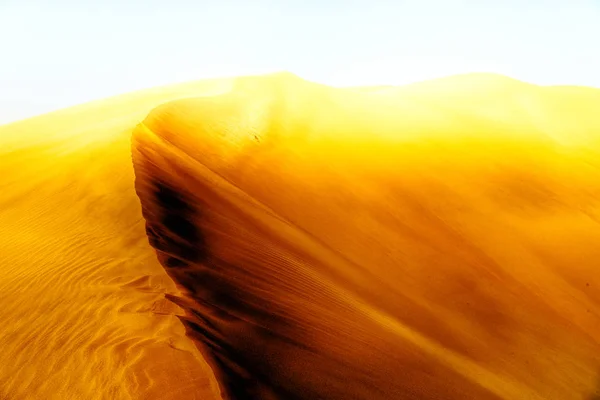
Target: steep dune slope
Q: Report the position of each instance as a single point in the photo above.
(81, 294)
(395, 243)
(389, 244)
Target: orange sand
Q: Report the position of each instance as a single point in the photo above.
(434, 241)
(82, 296)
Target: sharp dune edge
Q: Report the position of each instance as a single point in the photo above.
(271, 238)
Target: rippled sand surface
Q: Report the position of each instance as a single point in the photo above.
(82, 298)
(433, 241)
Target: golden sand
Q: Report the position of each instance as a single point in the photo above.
(82, 296)
(432, 241)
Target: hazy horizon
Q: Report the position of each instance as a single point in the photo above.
(67, 53)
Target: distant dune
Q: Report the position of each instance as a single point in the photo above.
(431, 241)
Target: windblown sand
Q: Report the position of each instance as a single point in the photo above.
(82, 297)
(293, 241)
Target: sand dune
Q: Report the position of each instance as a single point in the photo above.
(404, 243)
(82, 296)
(432, 241)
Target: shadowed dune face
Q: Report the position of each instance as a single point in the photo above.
(333, 244)
(82, 296)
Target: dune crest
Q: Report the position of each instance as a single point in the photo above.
(436, 240)
(386, 244)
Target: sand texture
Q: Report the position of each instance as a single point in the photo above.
(82, 297)
(271, 238)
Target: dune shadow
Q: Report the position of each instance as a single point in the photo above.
(596, 394)
(270, 329)
(280, 313)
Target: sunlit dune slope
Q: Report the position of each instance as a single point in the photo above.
(81, 294)
(436, 241)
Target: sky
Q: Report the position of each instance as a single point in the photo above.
(59, 53)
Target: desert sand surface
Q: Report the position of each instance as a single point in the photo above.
(272, 238)
(82, 296)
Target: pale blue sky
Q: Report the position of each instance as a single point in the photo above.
(57, 53)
